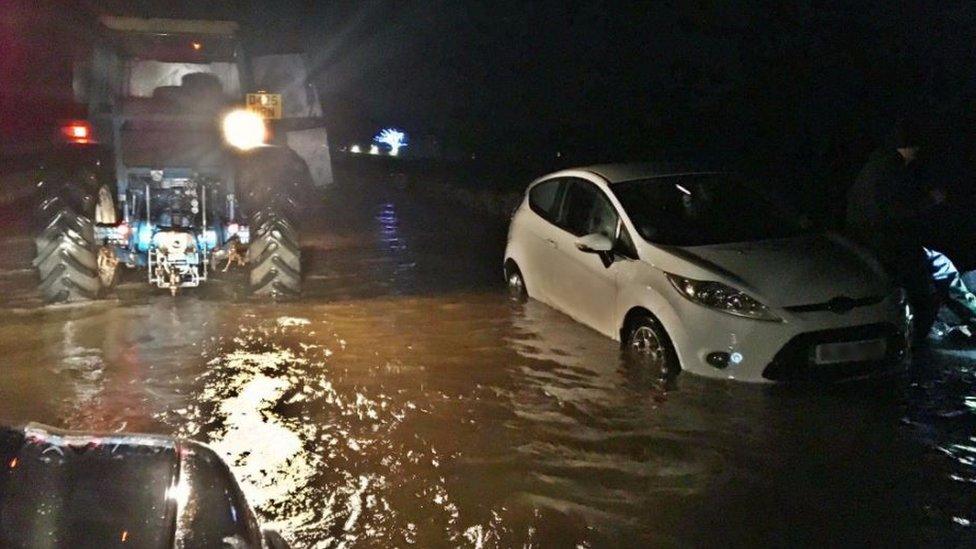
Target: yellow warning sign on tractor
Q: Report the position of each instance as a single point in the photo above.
(268, 105)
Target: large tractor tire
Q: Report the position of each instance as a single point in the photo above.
(274, 256)
(276, 188)
(65, 256)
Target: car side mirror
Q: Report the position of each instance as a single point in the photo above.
(594, 244)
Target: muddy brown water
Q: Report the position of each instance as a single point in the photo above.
(405, 401)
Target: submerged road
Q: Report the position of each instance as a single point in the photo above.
(403, 400)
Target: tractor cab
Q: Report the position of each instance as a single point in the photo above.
(198, 137)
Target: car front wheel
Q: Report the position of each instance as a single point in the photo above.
(650, 345)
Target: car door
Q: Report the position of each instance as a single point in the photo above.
(540, 237)
(585, 284)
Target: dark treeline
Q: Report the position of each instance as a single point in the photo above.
(795, 92)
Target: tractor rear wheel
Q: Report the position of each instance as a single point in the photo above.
(276, 189)
(274, 256)
(65, 258)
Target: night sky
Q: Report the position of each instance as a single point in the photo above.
(805, 86)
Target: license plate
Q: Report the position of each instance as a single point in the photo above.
(850, 351)
(268, 105)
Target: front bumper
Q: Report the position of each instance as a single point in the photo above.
(795, 362)
(782, 351)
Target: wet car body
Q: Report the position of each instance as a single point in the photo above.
(68, 489)
(812, 293)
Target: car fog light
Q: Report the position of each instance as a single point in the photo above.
(718, 360)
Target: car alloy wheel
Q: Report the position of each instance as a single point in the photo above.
(646, 343)
(650, 345)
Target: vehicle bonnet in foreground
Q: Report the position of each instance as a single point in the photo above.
(68, 489)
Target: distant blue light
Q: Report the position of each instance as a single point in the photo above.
(392, 137)
(736, 358)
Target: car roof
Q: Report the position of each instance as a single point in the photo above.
(618, 173)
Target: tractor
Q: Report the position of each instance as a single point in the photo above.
(193, 154)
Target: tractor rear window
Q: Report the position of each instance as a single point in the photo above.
(147, 78)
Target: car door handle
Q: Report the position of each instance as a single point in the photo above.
(551, 242)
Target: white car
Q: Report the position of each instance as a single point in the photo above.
(695, 271)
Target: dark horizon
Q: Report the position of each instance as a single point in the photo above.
(731, 81)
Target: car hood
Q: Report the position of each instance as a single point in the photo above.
(807, 270)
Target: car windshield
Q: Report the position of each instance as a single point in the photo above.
(702, 209)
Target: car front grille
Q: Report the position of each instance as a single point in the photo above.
(794, 361)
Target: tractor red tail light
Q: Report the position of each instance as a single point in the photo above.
(77, 131)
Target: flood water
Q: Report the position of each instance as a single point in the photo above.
(405, 401)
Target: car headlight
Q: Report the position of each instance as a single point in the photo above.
(244, 129)
(721, 297)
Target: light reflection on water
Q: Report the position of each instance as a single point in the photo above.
(313, 459)
(345, 428)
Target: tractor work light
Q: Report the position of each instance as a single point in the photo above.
(244, 129)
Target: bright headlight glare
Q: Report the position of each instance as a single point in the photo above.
(244, 129)
(721, 297)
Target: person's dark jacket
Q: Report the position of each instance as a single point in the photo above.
(886, 205)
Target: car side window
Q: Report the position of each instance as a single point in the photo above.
(544, 199)
(603, 218)
(586, 210)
